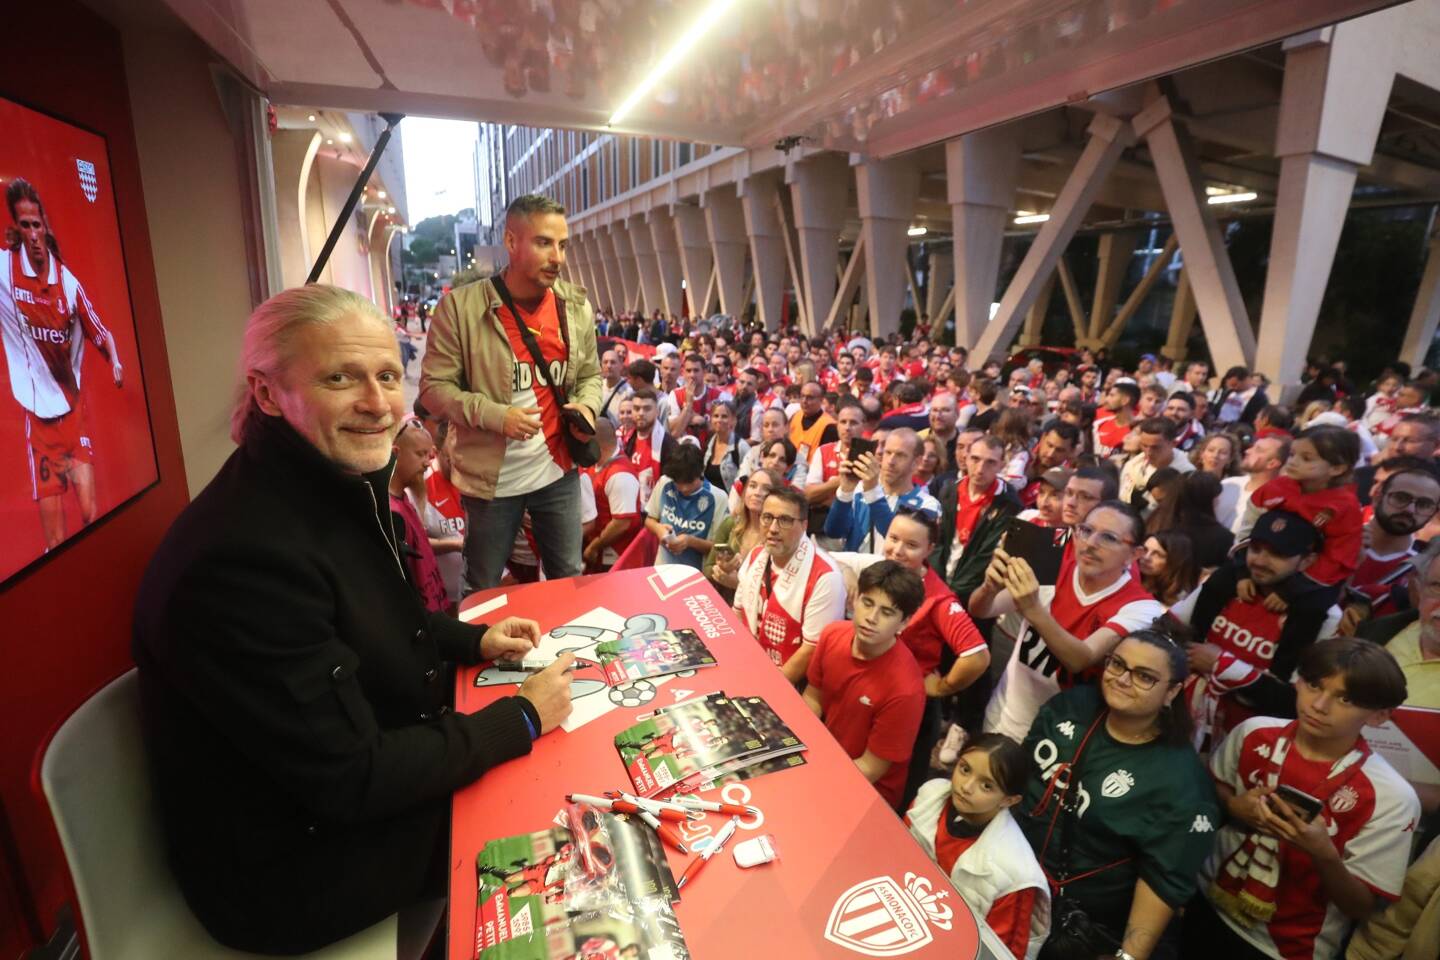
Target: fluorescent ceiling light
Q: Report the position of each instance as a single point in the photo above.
(1024, 218)
(1232, 198)
(713, 12)
(916, 232)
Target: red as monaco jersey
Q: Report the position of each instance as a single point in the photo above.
(1371, 821)
(1376, 575)
(829, 461)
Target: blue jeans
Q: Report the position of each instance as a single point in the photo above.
(491, 526)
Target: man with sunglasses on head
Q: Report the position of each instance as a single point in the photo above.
(1068, 627)
(788, 588)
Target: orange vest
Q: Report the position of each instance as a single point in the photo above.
(808, 440)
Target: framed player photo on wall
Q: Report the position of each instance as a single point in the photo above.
(75, 436)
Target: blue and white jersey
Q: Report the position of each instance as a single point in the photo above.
(862, 521)
(697, 514)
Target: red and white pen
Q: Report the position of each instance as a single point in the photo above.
(692, 870)
(711, 806)
(625, 806)
(661, 807)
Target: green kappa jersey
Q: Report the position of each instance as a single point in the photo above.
(1151, 802)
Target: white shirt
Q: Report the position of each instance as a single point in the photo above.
(1138, 471)
(1227, 504)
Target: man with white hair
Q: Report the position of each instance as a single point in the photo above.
(292, 685)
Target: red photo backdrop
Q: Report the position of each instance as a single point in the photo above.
(70, 169)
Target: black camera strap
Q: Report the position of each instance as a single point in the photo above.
(529, 338)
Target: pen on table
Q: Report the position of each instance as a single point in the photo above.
(660, 807)
(623, 806)
(667, 831)
(732, 809)
(693, 869)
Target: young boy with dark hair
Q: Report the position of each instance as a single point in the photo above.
(1319, 827)
(865, 685)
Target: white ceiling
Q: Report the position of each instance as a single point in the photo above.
(877, 76)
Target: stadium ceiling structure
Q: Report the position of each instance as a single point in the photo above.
(878, 77)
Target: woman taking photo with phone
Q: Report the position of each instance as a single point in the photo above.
(1120, 811)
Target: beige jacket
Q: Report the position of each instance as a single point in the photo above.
(1409, 928)
(469, 370)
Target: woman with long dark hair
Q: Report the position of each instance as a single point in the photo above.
(1167, 566)
(1119, 809)
(1191, 510)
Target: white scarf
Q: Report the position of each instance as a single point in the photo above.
(789, 585)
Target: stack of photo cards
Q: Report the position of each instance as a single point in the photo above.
(652, 655)
(701, 743)
(597, 887)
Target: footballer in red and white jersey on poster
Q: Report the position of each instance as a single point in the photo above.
(75, 439)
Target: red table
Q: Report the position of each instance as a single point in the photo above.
(850, 880)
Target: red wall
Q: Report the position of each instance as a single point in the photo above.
(66, 624)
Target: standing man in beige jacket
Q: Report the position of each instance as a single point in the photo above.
(510, 454)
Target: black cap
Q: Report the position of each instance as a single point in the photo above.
(1285, 533)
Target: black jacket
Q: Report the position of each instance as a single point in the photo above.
(295, 703)
(1309, 604)
(970, 571)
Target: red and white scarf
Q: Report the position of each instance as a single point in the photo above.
(1245, 885)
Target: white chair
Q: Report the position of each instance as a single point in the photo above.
(95, 778)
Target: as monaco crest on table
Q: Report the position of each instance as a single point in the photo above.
(89, 185)
(881, 918)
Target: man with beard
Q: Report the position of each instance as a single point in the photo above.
(944, 423)
(1407, 502)
(1113, 419)
(1247, 651)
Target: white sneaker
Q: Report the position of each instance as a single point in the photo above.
(950, 746)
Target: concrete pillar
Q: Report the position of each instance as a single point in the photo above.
(725, 225)
(1034, 330)
(697, 262)
(610, 265)
(1331, 106)
(645, 263)
(625, 269)
(886, 190)
(1212, 277)
(1108, 139)
(575, 264)
(820, 194)
(1425, 316)
(980, 174)
(1182, 321)
(767, 250)
(667, 259)
(942, 275)
(293, 152)
(1115, 252)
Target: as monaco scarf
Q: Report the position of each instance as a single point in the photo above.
(1245, 885)
(789, 586)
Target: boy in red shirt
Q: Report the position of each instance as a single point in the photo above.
(866, 685)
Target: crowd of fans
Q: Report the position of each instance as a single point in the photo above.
(1156, 749)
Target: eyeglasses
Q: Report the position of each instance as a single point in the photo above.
(782, 523)
(1142, 678)
(1401, 500)
(1086, 532)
